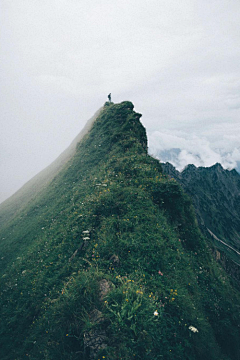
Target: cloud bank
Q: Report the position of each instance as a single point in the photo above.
(182, 148)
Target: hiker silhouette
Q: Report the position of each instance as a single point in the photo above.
(109, 97)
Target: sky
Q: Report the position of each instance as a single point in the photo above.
(177, 61)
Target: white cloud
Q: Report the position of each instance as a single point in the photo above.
(194, 149)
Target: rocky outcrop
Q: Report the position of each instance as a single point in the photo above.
(96, 339)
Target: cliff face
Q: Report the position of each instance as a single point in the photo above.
(215, 193)
(107, 261)
(216, 197)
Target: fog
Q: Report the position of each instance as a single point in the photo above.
(177, 61)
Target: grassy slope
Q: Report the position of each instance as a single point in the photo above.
(10, 208)
(135, 214)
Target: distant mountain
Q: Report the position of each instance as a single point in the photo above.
(216, 197)
(238, 167)
(173, 156)
(102, 257)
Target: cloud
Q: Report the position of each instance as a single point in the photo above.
(194, 149)
(178, 61)
(58, 83)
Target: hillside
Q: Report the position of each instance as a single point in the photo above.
(215, 193)
(107, 261)
(10, 207)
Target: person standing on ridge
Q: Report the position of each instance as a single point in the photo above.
(109, 97)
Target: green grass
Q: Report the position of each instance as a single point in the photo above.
(134, 214)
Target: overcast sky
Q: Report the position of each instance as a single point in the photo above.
(177, 61)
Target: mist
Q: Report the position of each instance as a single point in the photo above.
(178, 62)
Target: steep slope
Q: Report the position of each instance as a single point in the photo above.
(10, 207)
(216, 197)
(108, 261)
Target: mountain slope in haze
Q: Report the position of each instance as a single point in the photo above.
(17, 201)
(107, 261)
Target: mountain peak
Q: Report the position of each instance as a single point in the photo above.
(217, 167)
(116, 126)
(127, 104)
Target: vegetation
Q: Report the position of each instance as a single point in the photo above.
(215, 193)
(108, 262)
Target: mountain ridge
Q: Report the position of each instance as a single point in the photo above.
(216, 185)
(215, 193)
(108, 261)
(176, 157)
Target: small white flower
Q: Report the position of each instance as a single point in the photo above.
(155, 313)
(193, 329)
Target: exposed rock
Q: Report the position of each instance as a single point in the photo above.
(114, 260)
(73, 255)
(95, 339)
(81, 247)
(96, 316)
(104, 287)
